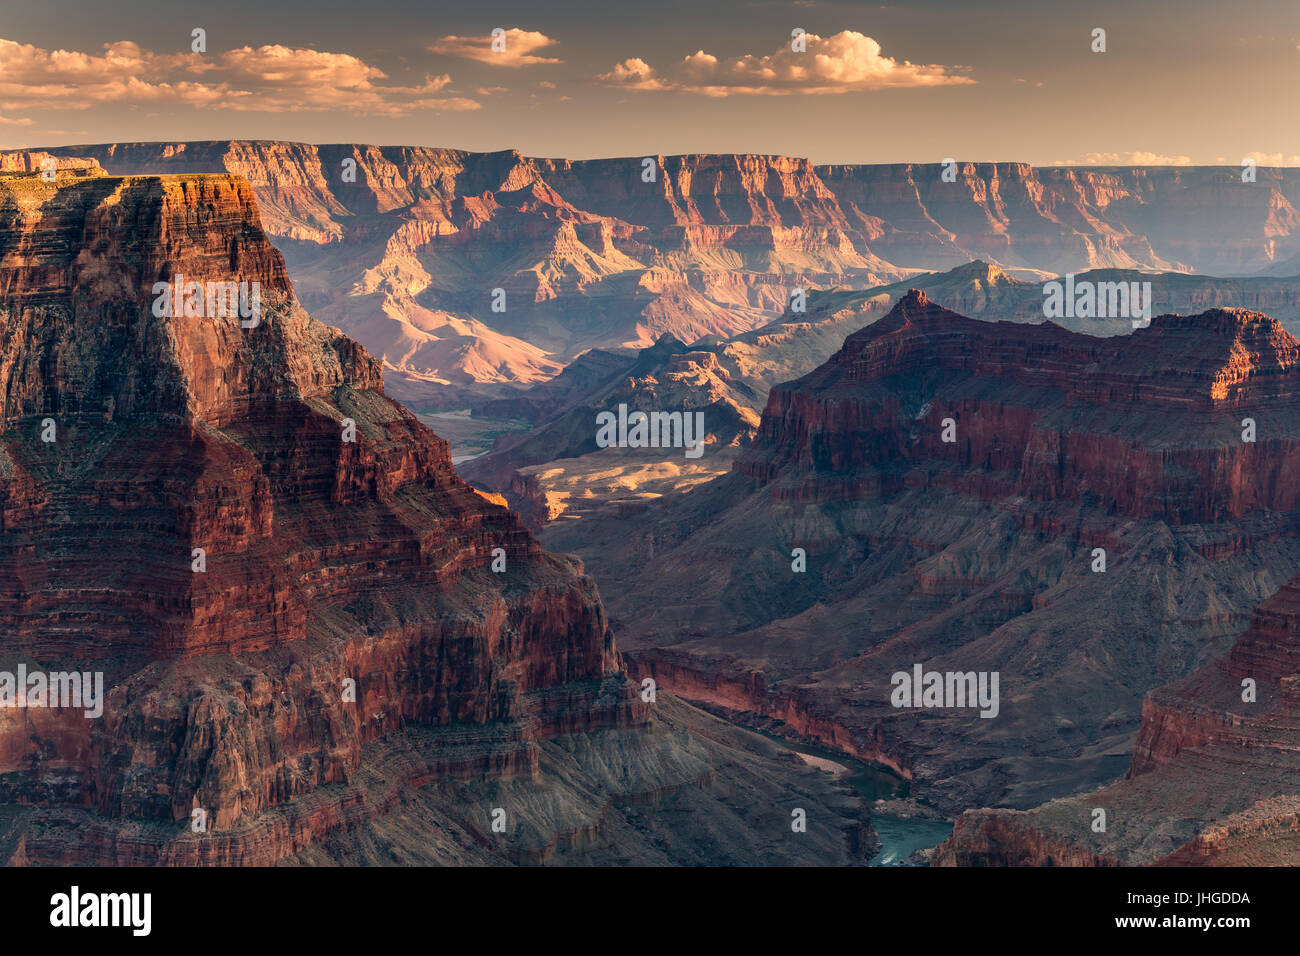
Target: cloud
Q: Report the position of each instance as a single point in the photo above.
(843, 63)
(34, 78)
(1141, 158)
(268, 78)
(1272, 159)
(1136, 158)
(635, 74)
(519, 47)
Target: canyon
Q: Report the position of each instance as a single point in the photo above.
(552, 472)
(555, 470)
(308, 655)
(889, 484)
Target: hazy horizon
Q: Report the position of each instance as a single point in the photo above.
(918, 82)
(38, 146)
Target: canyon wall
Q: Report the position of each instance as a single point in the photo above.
(1150, 400)
(404, 247)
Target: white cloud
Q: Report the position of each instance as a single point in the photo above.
(1136, 158)
(843, 63)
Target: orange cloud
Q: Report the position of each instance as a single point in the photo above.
(268, 78)
(1272, 159)
(519, 47)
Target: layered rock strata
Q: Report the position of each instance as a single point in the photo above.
(1212, 781)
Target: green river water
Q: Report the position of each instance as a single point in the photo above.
(899, 838)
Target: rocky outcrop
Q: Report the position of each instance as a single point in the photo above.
(302, 614)
(669, 377)
(41, 162)
(992, 839)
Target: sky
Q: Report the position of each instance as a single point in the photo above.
(1192, 82)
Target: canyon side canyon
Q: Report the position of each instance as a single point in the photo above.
(906, 465)
(980, 554)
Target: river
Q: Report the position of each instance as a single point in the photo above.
(900, 837)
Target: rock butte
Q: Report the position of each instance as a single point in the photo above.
(919, 365)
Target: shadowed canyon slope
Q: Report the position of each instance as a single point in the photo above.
(290, 593)
(979, 553)
(557, 469)
(1212, 780)
(403, 247)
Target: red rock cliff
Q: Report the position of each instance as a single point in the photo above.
(325, 560)
(979, 554)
